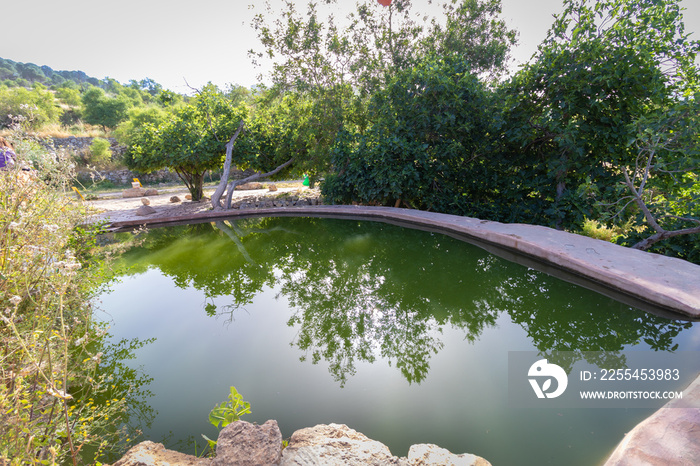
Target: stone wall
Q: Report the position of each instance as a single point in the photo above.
(123, 176)
(81, 144)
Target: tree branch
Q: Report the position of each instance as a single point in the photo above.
(216, 197)
(257, 176)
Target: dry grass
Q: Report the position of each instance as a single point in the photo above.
(55, 130)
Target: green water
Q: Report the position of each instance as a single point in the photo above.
(400, 334)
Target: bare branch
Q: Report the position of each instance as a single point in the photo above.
(216, 197)
(257, 176)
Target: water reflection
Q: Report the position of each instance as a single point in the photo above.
(364, 290)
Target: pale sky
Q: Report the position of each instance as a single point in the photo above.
(197, 41)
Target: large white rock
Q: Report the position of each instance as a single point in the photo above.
(154, 454)
(339, 445)
(427, 454)
(334, 445)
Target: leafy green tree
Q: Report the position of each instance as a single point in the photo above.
(335, 65)
(190, 142)
(34, 107)
(376, 41)
(425, 145)
(137, 119)
(473, 31)
(663, 186)
(101, 109)
(568, 114)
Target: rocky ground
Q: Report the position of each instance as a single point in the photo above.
(116, 209)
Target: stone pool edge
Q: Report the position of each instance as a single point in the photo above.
(668, 283)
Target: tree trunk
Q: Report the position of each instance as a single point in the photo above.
(216, 197)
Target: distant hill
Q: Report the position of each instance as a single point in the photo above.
(26, 74)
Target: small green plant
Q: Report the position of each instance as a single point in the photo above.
(100, 153)
(226, 413)
(594, 229)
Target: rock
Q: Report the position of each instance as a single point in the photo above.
(145, 201)
(150, 454)
(145, 210)
(133, 192)
(272, 187)
(175, 199)
(244, 444)
(669, 436)
(188, 197)
(427, 454)
(334, 444)
(151, 192)
(247, 186)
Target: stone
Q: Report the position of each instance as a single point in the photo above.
(244, 444)
(427, 454)
(247, 186)
(145, 201)
(133, 192)
(188, 197)
(154, 454)
(145, 210)
(669, 436)
(272, 187)
(175, 199)
(151, 192)
(334, 445)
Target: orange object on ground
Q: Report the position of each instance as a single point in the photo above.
(384, 2)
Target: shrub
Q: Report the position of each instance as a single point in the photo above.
(56, 402)
(100, 154)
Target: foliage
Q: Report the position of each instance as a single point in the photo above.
(568, 115)
(35, 107)
(426, 141)
(473, 31)
(229, 411)
(661, 192)
(100, 152)
(331, 67)
(101, 109)
(190, 142)
(137, 119)
(594, 229)
(375, 41)
(226, 413)
(55, 404)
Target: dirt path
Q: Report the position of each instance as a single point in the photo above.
(118, 209)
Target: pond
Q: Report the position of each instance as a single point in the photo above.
(403, 335)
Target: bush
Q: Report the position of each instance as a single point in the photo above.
(424, 148)
(55, 401)
(100, 154)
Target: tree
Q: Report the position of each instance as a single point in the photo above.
(663, 185)
(332, 67)
(100, 109)
(35, 107)
(568, 115)
(425, 146)
(376, 41)
(191, 142)
(473, 31)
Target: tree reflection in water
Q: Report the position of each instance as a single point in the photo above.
(362, 290)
